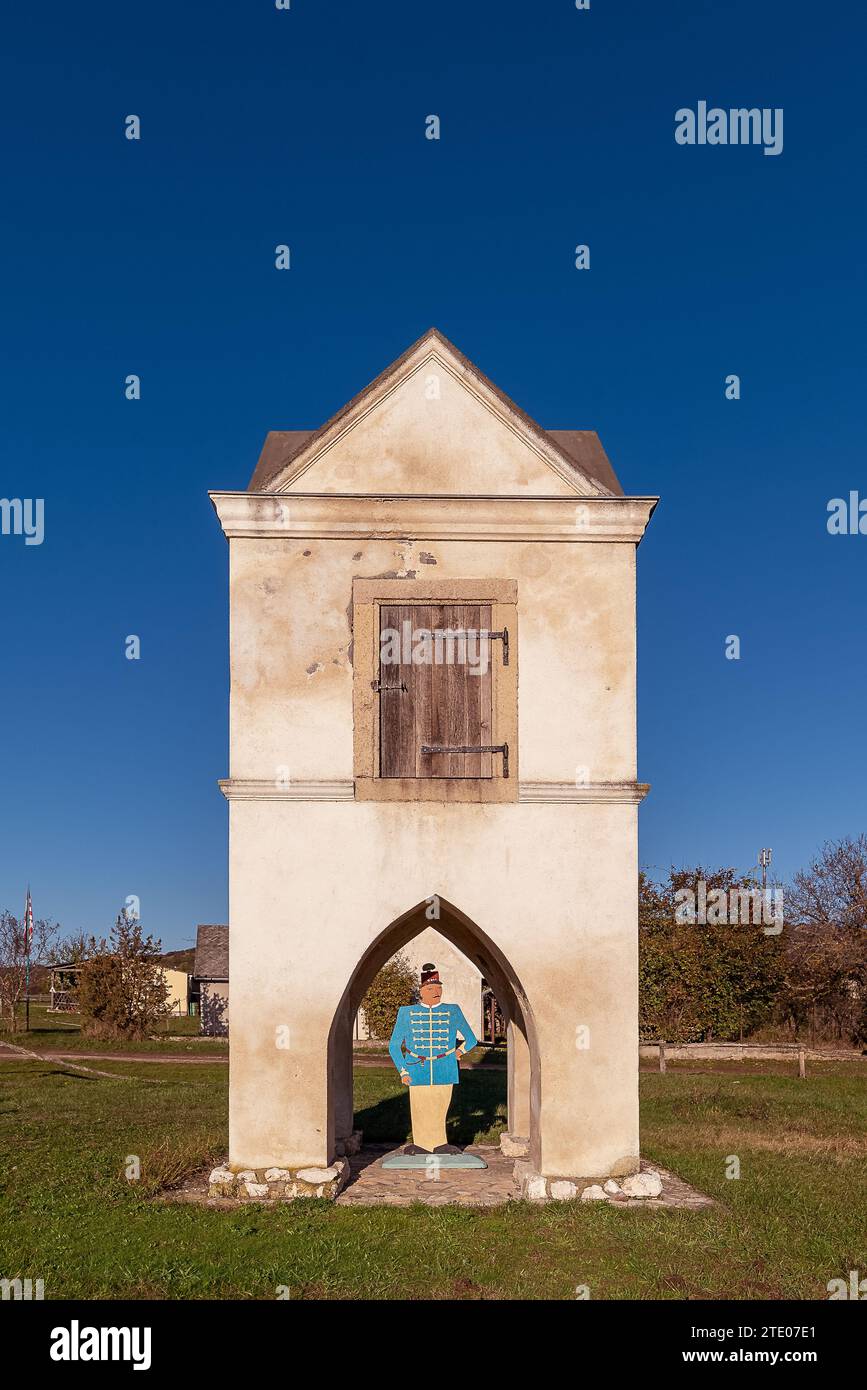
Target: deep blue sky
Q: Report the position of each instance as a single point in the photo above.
(307, 127)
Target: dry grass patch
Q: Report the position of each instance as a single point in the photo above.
(839, 1148)
(173, 1161)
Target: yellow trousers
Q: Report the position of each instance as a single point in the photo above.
(428, 1107)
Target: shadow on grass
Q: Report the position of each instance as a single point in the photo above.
(42, 1037)
(477, 1113)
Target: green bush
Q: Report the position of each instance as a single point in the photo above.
(703, 981)
(395, 985)
(122, 990)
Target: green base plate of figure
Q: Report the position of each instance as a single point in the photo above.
(434, 1161)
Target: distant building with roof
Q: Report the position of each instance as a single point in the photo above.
(211, 978)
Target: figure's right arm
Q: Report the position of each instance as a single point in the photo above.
(397, 1037)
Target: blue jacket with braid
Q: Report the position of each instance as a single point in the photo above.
(424, 1041)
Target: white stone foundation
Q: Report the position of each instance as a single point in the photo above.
(645, 1185)
(282, 1184)
(513, 1146)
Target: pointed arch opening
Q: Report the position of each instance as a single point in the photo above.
(524, 1070)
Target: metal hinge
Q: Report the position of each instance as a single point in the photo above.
(503, 637)
(472, 748)
(384, 689)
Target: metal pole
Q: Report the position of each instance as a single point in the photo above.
(28, 914)
(765, 856)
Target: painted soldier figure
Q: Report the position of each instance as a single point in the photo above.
(428, 1039)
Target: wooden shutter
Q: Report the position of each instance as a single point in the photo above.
(435, 703)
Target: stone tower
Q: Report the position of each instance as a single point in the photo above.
(433, 724)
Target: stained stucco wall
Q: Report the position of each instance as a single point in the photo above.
(557, 895)
(312, 883)
(291, 647)
(428, 434)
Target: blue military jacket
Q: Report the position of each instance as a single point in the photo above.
(424, 1041)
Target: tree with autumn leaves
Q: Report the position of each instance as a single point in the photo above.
(396, 984)
(122, 989)
(17, 957)
(726, 980)
(824, 987)
(699, 981)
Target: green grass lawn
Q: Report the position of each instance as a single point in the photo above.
(794, 1220)
(62, 1033)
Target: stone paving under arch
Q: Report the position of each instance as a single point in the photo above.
(369, 1184)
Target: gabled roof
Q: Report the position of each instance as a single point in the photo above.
(212, 953)
(279, 449)
(577, 454)
(584, 447)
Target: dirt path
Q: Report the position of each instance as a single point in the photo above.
(12, 1053)
(7, 1054)
(692, 1052)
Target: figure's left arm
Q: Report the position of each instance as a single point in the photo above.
(463, 1030)
(398, 1037)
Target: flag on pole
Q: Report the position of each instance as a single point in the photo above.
(28, 921)
(28, 938)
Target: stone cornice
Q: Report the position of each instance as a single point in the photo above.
(629, 792)
(342, 516)
(263, 789)
(253, 789)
